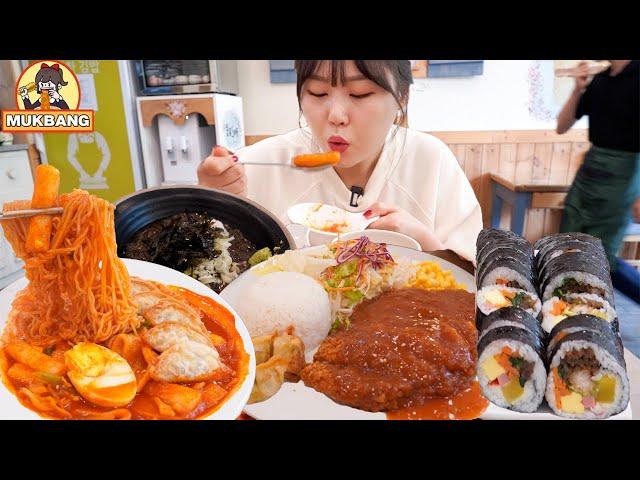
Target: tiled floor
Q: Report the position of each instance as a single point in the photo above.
(629, 316)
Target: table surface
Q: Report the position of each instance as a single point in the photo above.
(528, 187)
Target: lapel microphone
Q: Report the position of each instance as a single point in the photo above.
(356, 193)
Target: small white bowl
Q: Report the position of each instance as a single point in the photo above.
(318, 237)
(307, 214)
(382, 236)
(300, 235)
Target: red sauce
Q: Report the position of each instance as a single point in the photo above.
(466, 405)
(335, 227)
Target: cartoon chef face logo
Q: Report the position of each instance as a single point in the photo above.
(48, 85)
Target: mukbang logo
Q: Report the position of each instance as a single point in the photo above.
(47, 97)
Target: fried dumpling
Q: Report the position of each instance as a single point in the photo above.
(170, 311)
(147, 299)
(279, 358)
(165, 335)
(139, 285)
(187, 361)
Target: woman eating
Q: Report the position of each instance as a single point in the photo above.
(410, 179)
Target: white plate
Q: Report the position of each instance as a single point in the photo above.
(12, 409)
(296, 401)
(314, 215)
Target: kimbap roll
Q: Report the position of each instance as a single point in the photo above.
(576, 273)
(587, 376)
(557, 309)
(509, 316)
(555, 249)
(508, 271)
(580, 323)
(510, 370)
(493, 297)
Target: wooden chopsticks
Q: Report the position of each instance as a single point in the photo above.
(30, 213)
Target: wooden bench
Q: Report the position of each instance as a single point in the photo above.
(522, 196)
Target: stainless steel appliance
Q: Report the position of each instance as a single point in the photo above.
(166, 77)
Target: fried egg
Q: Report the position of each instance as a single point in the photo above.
(100, 375)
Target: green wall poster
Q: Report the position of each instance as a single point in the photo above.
(100, 161)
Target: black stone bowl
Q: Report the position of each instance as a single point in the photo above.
(259, 226)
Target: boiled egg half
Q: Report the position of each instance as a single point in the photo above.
(100, 375)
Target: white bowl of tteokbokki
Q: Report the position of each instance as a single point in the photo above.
(87, 335)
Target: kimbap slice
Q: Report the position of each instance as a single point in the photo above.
(493, 297)
(503, 249)
(557, 238)
(576, 273)
(510, 370)
(509, 317)
(507, 271)
(587, 376)
(580, 323)
(488, 235)
(557, 309)
(554, 250)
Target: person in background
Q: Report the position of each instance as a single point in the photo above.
(408, 178)
(605, 194)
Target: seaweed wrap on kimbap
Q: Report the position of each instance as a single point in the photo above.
(555, 249)
(509, 316)
(511, 370)
(580, 323)
(576, 273)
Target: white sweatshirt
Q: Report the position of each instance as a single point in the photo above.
(416, 172)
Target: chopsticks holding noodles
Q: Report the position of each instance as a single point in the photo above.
(30, 213)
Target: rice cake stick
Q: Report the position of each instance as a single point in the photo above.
(45, 195)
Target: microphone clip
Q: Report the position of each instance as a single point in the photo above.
(356, 193)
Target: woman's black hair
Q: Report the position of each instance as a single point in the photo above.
(378, 71)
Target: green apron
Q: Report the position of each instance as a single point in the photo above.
(600, 199)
